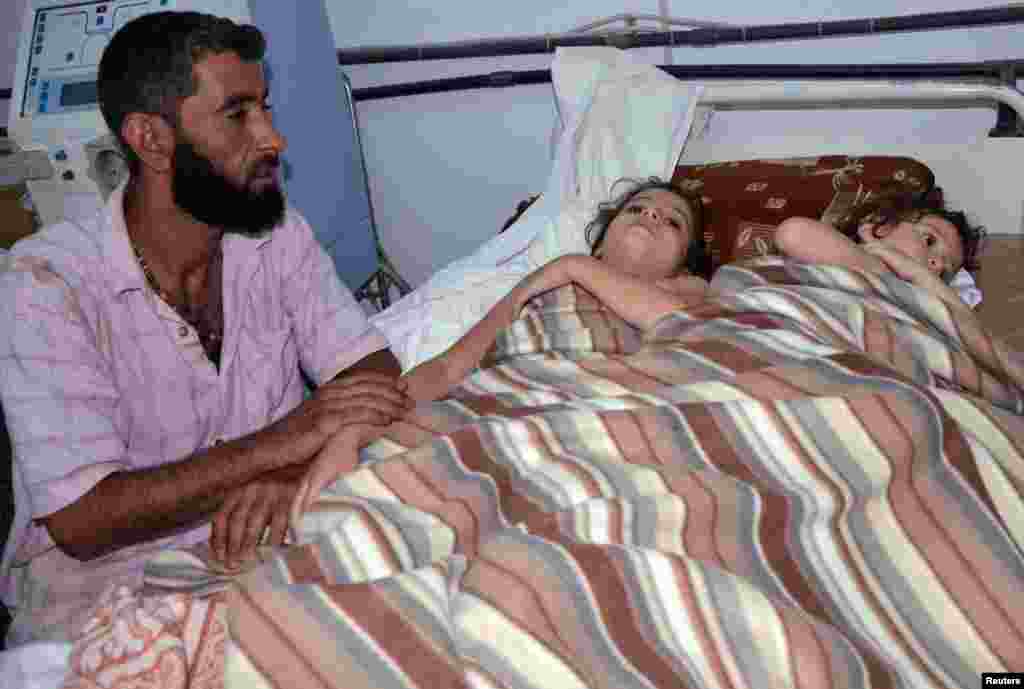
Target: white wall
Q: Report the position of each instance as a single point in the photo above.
(447, 169)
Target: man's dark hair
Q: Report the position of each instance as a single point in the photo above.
(147, 66)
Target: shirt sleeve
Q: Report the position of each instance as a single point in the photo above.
(58, 395)
(333, 331)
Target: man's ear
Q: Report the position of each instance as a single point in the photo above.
(152, 139)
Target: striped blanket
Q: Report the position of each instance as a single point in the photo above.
(815, 479)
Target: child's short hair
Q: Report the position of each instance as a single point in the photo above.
(896, 208)
(698, 260)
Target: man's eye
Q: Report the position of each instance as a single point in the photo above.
(634, 209)
(674, 223)
(236, 114)
(929, 240)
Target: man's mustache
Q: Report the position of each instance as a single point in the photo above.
(266, 166)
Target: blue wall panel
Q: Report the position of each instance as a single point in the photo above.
(324, 175)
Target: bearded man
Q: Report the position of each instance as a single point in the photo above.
(152, 357)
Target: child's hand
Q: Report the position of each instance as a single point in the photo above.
(912, 271)
(338, 456)
(431, 380)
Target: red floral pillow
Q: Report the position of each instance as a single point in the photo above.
(745, 200)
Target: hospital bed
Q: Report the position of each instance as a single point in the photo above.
(814, 480)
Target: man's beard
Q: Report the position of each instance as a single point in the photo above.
(210, 197)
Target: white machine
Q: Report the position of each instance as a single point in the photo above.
(55, 117)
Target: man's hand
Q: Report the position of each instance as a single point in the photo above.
(362, 399)
(251, 515)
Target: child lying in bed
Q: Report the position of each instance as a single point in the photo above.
(938, 239)
(646, 245)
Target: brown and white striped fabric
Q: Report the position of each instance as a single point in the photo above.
(813, 480)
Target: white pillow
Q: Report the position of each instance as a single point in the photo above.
(620, 119)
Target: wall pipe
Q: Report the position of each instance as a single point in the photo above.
(998, 75)
(698, 37)
(1003, 71)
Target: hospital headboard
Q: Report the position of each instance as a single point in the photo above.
(979, 174)
(975, 162)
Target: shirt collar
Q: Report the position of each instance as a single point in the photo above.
(120, 254)
(117, 248)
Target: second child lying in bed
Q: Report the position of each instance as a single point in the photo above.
(646, 245)
(940, 240)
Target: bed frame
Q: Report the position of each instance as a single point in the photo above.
(992, 197)
(977, 168)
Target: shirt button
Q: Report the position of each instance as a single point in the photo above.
(183, 331)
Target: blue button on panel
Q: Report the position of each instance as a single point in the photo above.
(39, 49)
(32, 82)
(99, 20)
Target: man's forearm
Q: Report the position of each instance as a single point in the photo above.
(381, 361)
(130, 507)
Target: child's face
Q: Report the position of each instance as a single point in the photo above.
(650, 235)
(929, 240)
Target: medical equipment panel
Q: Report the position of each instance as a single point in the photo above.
(55, 104)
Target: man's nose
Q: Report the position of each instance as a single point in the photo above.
(268, 138)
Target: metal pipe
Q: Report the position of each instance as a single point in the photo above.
(664, 18)
(707, 36)
(1002, 71)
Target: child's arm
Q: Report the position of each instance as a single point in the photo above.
(639, 302)
(433, 379)
(338, 456)
(812, 241)
(428, 381)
